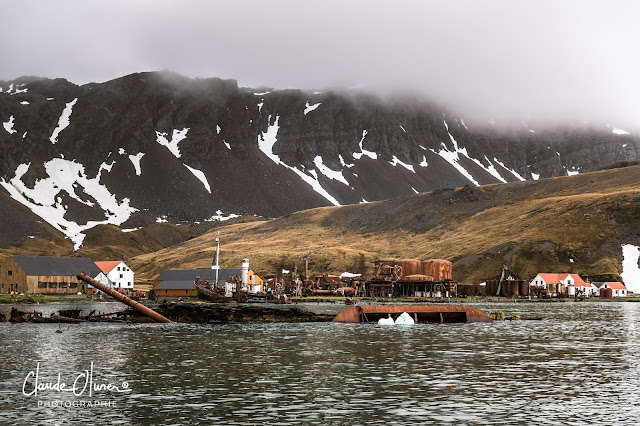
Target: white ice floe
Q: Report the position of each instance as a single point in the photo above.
(201, 177)
(226, 144)
(405, 319)
(453, 158)
(24, 103)
(331, 174)
(308, 108)
(395, 161)
(513, 172)
(386, 321)
(630, 270)
(8, 125)
(218, 130)
(370, 154)
(221, 217)
(135, 160)
(266, 141)
(403, 129)
(177, 137)
(619, 131)
(63, 121)
(45, 198)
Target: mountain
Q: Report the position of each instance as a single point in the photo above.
(159, 147)
(580, 224)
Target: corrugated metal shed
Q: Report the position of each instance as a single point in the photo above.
(58, 266)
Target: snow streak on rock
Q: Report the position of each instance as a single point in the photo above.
(513, 172)
(135, 160)
(266, 141)
(370, 154)
(45, 198)
(331, 174)
(452, 157)
(630, 270)
(309, 108)
(201, 177)
(8, 125)
(395, 161)
(63, 121)
(176, 138)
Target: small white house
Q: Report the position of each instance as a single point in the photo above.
(563, 283)
(118, 273)
(617, 288)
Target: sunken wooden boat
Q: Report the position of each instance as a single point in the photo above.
(420, 313)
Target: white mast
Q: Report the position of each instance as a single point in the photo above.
(217, 257)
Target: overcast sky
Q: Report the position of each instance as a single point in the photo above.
(547, 59)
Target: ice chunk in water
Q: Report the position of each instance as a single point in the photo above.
(405, 319)
(386, 321)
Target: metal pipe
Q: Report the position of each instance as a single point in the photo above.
(124, 299)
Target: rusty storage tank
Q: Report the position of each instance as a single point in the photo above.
(440, 270)
(524, 287)
(411, 267)
(606, 293)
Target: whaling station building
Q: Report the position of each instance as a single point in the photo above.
(181, 282)
(119, 274)
(46, 275)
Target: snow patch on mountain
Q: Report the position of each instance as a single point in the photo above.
(8, 125)
(619, 131)
(201, 177)
(423, 163)
(403, 129)
(343, 162)
(370, 154)
(24, 103)
(395, 161)
(266, 141)
(331, 174)
(513, 172)
(218, 130)
(309, 108)
(45, 199)
(221, 217)
(453, 157)
(260, 106)
(135, 160)
(177, 137)
(63, 121)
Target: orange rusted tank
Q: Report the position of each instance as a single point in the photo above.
(440, 270)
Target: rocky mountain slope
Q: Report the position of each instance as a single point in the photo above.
(156, 147)
(577, 224)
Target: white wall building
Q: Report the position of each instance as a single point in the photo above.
(564, 283)
(119, 273)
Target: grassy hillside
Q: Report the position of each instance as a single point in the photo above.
(530, 226)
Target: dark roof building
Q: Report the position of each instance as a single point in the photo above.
(45, 274)
(205, 274)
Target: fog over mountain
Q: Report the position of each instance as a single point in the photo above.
(538, 61)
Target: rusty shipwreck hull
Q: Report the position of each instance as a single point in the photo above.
(420, 313)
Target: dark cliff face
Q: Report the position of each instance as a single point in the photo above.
(159, 145)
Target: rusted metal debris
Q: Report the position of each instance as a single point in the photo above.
(420, 313)
(124, 299)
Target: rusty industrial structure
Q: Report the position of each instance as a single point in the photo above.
(412, 278)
